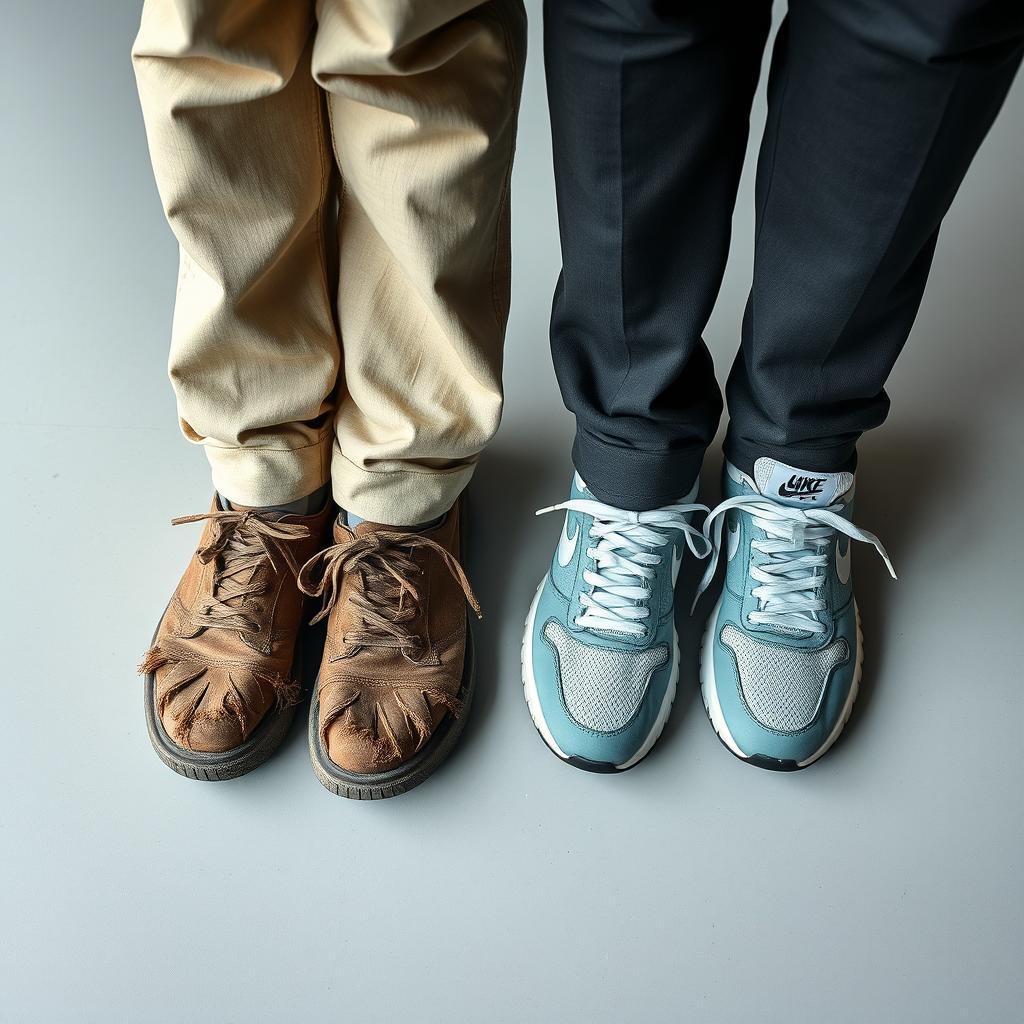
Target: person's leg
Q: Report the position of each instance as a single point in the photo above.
(423, 101)
(239, 152)
(875, 112)
(238, 143)
(649, 106)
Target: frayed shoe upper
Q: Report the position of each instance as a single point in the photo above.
(223, 653)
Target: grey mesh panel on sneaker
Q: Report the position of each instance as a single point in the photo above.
(602, 688)
(782, 685)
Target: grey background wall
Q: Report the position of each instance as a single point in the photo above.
(882, 885)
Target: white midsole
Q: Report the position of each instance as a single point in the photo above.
(530, 683)
(533, 699)
(709, 689)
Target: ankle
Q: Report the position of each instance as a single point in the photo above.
(351, 520)
(308, 505)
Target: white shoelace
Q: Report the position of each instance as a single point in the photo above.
(797, 545)
(623, 555)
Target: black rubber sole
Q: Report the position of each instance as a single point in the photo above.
(769, 764)
(597, 767)
(594, 767)
(231, 764)
(774, 764)
(584, 764)
(411, 773)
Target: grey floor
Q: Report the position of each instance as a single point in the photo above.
(882, 885)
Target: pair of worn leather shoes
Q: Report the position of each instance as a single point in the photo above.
(396, 675)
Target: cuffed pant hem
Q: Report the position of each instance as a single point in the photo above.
(269, 476)
(814, 458)
(632, 478)
(399, 496)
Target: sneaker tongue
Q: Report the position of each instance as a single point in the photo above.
(579, 488)
(801, 488)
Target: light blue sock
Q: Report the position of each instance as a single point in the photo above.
(351, 520)
(309, 505)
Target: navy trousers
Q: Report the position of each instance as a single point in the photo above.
(876, 108)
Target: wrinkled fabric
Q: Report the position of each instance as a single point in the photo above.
(336, 174)
(875, 111)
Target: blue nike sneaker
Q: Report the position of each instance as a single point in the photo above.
(600, 652)
(781, 655)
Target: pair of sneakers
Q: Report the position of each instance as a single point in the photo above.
(780, 660)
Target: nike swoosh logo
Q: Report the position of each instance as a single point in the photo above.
(734, 541)
(677, 560)
(843, 563)
(567, 544)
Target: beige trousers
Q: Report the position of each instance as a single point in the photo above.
(352, 333)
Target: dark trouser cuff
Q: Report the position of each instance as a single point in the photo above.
(833, 459)
(632, 478)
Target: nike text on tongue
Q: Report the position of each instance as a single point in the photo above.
(795, 486)
(803, 487)
(795, 542)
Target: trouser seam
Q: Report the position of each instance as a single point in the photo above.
(460, 467)
(326, 435)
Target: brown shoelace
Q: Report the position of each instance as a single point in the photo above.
(389, 601)
(242, 541)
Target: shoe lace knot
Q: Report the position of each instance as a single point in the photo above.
(386, 599)
(790, 580)
(241, 544)
(625, 555)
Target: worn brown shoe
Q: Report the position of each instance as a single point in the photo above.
(397, 672)
(220, 681)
